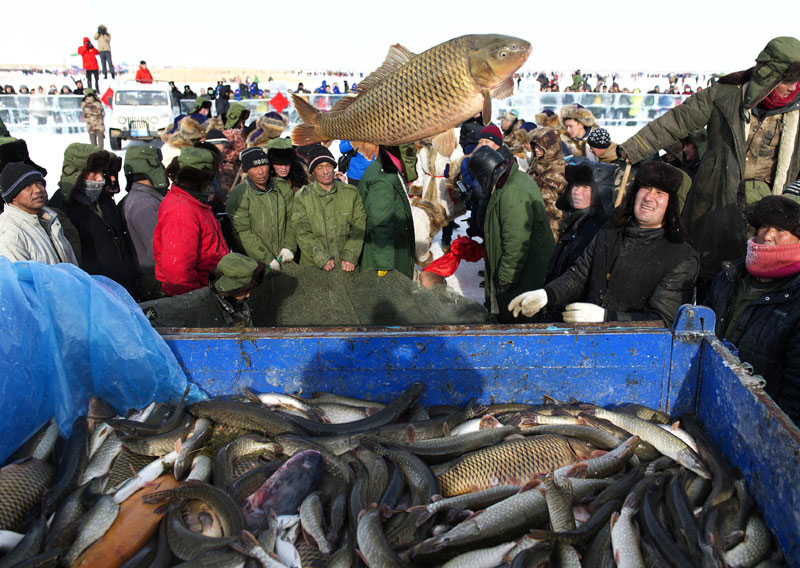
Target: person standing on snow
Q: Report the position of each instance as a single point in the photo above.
(103, 39)
(89, 55)
(93, 114)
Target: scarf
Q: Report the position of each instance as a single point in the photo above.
(774, 100)
(765, 261)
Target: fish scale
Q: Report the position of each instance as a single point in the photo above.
(413, 96)
(508, 463)
(21, 488)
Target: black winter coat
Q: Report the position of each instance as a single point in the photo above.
(635, 274)
(577, 231)
(767, 334)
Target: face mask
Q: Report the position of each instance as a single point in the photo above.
(91, 190)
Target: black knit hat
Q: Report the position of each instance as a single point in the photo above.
(214, 136)
(253, 157)
(774, 210)
(15, 177)
(599, 138)
(318, 154)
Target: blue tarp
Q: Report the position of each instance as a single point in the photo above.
(65, 336)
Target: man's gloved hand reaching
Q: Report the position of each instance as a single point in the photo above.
(583, 312)
(529, 303)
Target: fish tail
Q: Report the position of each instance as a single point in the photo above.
(305, 133)
(420, 514)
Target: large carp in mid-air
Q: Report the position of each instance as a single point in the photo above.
(411, 96)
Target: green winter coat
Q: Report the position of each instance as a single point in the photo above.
(389, 238)
(715, 224)
(260, 219)
(328, 225)
(198, 308)
(519, 242)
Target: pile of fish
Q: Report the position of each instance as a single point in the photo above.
(278, 480)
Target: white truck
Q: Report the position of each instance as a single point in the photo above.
(141, 112)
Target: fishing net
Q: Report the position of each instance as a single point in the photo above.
(302, 296)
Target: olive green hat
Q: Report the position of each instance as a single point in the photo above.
(194, 169)
(279, 144)
(200, 102)
(89, 91)
(197, 158)
(237, 273)
(80, 158)
(145, 160)
(778, 62)
(235, 113)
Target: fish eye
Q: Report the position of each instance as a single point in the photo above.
(503, 53)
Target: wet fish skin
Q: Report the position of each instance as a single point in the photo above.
(511, 462)
(437, 90)
(331, 398)
(137, 428)
(145, 475)
(22, 485)
(373, 543)
(334, 464)
(481, 558)
(93, 525)
(599, 553)
(47, 441)
(395, 487)
(162, 443)
(285, 490)
(595, 436)
(681, 516)
(665, 442)
(312, 517)
(438, 450)
(100, 463)
(754, 549)
(249, 483)
(243, 415)
(602, 466)
(472, 501)
(650, 524)
(29, 546)
(67, 518)
(586, 531)
(625, 537)
(250, 546)
(73, 462)
(722, 477)
(242, 446)
(559, 506)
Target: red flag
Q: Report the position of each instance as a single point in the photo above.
(108, 97)
(279, 102)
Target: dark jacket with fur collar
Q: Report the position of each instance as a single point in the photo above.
(767, 334)
(715, 225)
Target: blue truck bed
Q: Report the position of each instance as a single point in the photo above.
(682, 370)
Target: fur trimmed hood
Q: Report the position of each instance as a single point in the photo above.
(187, 133)
(579, 114)
(548, 119)
(267, 128)
(549, 141)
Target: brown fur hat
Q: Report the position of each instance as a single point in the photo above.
(545, 138)
(578, 113)
(269, 126)
(188, 132)
(548, 118)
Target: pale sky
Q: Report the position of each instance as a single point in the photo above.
(672, 35)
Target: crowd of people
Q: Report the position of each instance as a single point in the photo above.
(575, 227)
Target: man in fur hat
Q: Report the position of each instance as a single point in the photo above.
(93, 114)
(90, 217)
(753, 120)
(755, 299)
(267, 127)
(578, 123)
(188, 241)
(222, 303)
(639, 268)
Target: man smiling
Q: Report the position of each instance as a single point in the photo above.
(639, 268)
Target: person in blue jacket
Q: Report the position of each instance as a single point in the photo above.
(358, 163)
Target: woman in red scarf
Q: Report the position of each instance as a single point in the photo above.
(757, 298)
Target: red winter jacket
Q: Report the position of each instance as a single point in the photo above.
(187, 243)
(89, 56)
(143, 76)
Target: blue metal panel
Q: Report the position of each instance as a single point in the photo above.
(757, 438)
(692, 323)
(602, 365)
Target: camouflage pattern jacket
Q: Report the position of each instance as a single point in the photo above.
(93, 114)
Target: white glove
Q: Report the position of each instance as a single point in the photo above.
(287, 255)
(275, 264)
(582, 312)
(529, 303)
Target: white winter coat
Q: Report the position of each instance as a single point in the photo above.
(23, 237)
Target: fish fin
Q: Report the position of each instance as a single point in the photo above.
(486, 111)
(371, 410)
(363, 559)
(598, 453)
(504, 89)
(397, 58)
(473, 488)
(369, 149)
(310, 542)
(436, 498)
(540, 534)
(308, 113)
(487, 422)
(676, 425)
(342, 104)
(445, 143)
(411, 433)
(320, 414)
(577, 470)
(515, 420)
(446, 431)
(304, 134)
(474, 514)
(616, 557)
(178, 446)
(614, 518)
(420, 514)
(531, 484)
